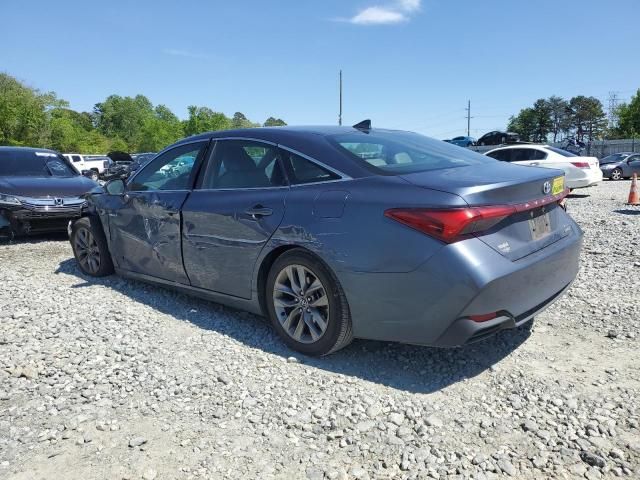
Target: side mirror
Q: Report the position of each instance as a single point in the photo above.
(115, 186)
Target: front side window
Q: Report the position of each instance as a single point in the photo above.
(395, 153)
(243, 164)
(170, 171)
(302, 171)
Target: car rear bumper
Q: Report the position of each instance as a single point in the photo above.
(432, 305)
(584, 178)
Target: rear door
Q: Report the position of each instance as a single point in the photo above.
(145, 224)
(227, 220)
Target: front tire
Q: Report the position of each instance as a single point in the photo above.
(616, 174)
(306, 304)
(94, 176)
(90, 249)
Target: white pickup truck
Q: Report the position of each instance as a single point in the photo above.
(97, 164)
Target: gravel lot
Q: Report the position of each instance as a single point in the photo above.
(117, 379)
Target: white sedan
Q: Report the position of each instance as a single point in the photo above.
(579, 171)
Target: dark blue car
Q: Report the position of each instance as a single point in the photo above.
(340, 232)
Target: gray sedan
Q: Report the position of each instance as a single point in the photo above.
(620, 165)
(340, 232)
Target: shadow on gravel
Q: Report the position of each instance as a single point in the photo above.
(578, 195)
(403, 367)
(33, 239)
(628, 211)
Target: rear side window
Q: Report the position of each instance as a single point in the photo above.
(301, 170)
(502, 155)
(396, 153)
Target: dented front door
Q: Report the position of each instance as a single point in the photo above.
(145, 234)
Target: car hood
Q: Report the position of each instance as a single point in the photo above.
(42, 187)
(490, 183)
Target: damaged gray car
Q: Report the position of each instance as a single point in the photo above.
(340, 232)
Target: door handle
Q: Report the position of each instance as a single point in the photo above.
(258, 211)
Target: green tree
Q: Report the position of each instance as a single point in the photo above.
(629, 117)
(587, 117)
(274, 122)
(524, 124)
(203, 119)
(159, 130)
(560, 116)
(124, 117)
(24, 112)
(239, 120)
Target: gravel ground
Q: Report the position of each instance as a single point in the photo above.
(117, 379)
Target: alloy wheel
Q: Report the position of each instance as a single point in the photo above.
(616, 174)
(87, 250)
(301, 304)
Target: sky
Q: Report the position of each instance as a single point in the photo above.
(407, 64)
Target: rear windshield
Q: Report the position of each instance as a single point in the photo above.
(14, 163)
(559, 151)
(398, 153)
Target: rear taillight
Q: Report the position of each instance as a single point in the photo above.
(580, 164)
(105, 164)
(451, 225)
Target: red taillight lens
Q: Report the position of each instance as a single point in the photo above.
(452, 224)
(580, 164)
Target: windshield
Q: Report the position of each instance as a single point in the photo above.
(559, 151)
(30, 163)
(398, 153)
(612, 158)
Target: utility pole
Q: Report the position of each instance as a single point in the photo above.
(468, 109)
(613, 107)
(340, 114)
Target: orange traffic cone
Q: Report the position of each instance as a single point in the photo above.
(633, 193)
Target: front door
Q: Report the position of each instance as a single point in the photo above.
(145, 225)
(228, 220)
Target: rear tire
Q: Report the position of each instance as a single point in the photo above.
(94, 176)
(90, 249)
(306, 304)
(616, 174)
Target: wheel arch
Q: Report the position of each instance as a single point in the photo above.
(266, 264)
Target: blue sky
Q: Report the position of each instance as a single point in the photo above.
(409, 64)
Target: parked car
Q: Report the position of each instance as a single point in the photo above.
(620, 165)
(498, 138)
(39, 191)
(340, 232)
(120, 165)
(579, 171)
(96, 164)
(462, 141)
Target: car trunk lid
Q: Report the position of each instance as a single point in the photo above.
(536, 220)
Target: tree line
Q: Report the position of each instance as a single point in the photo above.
(580, 117)
(29, 117)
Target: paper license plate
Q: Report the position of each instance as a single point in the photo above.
(557, 186)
